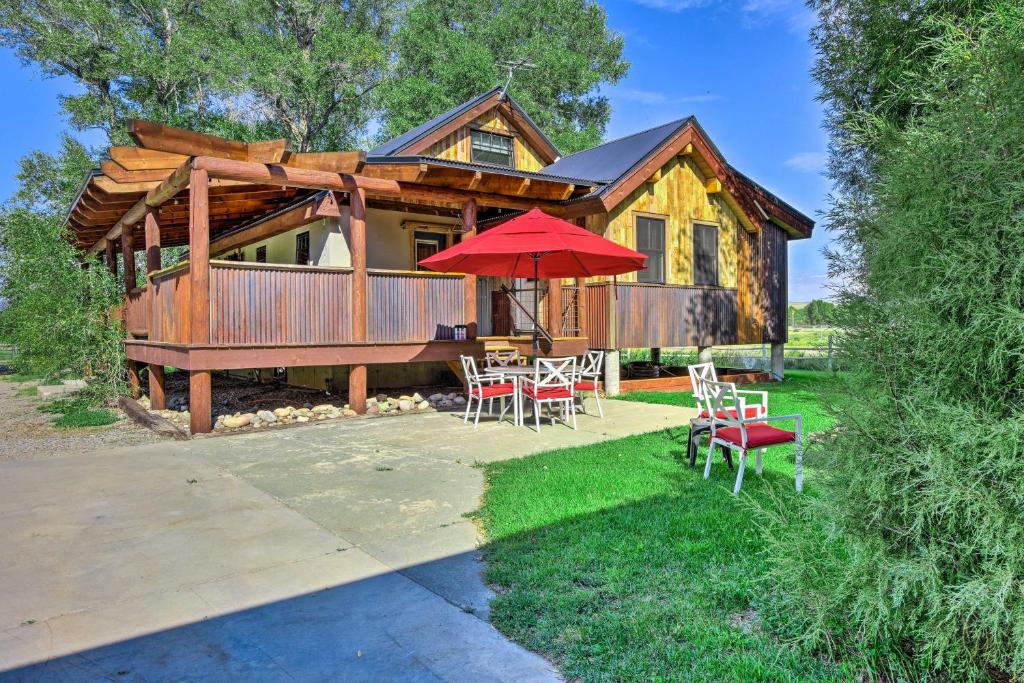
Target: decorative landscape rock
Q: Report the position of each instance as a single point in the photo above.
(266, 416)
(405, 404)
(236, 421)
(423, 405)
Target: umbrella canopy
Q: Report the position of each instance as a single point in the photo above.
(536, 245)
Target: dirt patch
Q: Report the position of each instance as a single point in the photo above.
(30, 434)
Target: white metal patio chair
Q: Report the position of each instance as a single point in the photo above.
(487, 387)
(502, 359)
(745, 406)
(587, 377)
(745, 434)
(553, 382)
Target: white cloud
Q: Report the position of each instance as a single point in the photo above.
(794, 13)
(648, 97)
(672, 5)
(808, 162)
(654, 97)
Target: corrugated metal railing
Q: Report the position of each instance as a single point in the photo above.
(408, 306)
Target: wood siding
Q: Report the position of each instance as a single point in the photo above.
(680, 197)
(664, 316)
(257, 304)
(169, 321)
(456, 146)
(409, 306)
(136, 312)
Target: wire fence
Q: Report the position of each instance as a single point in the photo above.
(748, 357)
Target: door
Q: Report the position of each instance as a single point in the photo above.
(426, 244)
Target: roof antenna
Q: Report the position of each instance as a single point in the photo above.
(512, 65)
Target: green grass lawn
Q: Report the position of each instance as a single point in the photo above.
(619, 563)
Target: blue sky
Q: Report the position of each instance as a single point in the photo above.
(741, 66)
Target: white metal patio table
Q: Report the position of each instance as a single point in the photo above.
(517, 373)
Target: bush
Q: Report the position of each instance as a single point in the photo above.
(913, 555)
(86, 418)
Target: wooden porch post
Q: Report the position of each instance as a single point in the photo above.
(199, 384)
(469, 281)
(357, 232)
(581, 306)
(555, 307)
(157, 399)
(128, 256)
(111, 258)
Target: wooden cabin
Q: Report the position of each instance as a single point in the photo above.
(303, 265)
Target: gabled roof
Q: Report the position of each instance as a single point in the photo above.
(621, 165)
(425, 134)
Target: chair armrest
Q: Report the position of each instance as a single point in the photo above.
(776, 418)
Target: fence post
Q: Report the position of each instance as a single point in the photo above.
(830, 352)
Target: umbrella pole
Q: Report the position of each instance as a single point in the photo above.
(536, 305)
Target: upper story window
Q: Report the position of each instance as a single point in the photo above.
(491, 148)
(261, 254)
(650, 240)
(705, 254)
(302, 249)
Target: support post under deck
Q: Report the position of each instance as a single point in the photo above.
(199, 385)
(357, 233)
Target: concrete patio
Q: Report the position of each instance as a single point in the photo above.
(327, 552)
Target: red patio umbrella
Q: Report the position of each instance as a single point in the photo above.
(539, 246)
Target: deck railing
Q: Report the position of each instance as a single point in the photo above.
(409, 305)
(270, 304)
(651, 315)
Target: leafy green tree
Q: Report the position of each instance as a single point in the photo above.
(57, 312)
(820, 312)
(911, 554)
(448, 51)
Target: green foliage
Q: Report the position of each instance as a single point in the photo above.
(79, 419)
(913, 554)
(620, 563)
(63, 406)
(57, 312)
(448, 51)
(817, 312)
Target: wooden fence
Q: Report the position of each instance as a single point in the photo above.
(408, 306)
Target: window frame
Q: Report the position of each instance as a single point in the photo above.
(637, 215)
(299, 236)
(694, 224)
(261, 254)
(473, 132)
(413, 227)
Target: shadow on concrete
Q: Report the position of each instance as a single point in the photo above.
(374, 629)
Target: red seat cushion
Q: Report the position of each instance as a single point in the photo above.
(748, 413)
(543, 393)
(758, 435)
(492, 390)
(586, 386)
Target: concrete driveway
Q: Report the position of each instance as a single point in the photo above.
(327, 552)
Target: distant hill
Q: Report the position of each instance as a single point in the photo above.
(798, 304)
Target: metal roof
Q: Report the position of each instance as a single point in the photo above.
(608, 162)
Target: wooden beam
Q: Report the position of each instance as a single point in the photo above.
(157, 395)
(469, 281)
(111, 258)
(567, 192)
(304, 213)
(200, 389)
(334, 162)
(128, 256)
(713, 186)
(655, 177)
(554, 302)
(120, 174)
(357, 248)
(152, 240)
(524, 185)
(475, 181)
(179, 141)
(174, 184)
(430, 193)
(200, 401)
(285, 176)
(533, 137)
(142, 159)
(687, 150)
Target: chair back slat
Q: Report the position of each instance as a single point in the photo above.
(722, 402)
(699, 374)
(592, 363)
(470, 371)
(554, 372)
(502, 359)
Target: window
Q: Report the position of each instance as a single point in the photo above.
(490, 148)
(705, 254)
(426, 244)
(261, 254)
(302, 249)
(650, 240)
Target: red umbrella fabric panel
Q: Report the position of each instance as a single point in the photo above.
(564, 250)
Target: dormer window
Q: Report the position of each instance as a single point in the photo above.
(491, 148)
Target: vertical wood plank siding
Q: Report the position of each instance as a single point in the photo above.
(773, 279)
(171, 308)
(597, 315)
(409, 307)
(259, 305)
(136, 311)
(664, 316)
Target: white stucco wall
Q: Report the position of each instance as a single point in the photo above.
(388, 246)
